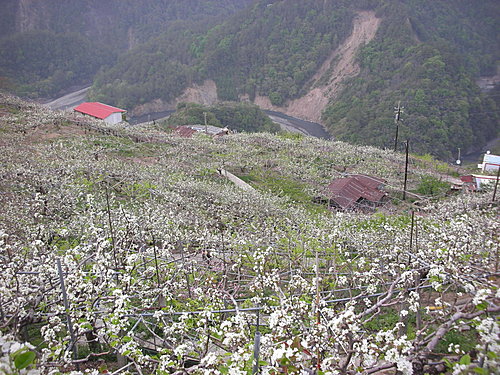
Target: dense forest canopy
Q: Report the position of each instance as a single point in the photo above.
(272, 48)
(48, 46)
(426, 54)
(240, 117)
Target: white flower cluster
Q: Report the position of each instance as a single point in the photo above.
(10, 349)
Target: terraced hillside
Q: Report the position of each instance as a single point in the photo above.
(122, 249)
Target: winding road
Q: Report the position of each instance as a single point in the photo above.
(288, 123)
(297, 125)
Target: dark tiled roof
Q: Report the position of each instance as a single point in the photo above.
(347, 191)
(185, 131)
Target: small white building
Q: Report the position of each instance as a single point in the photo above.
(491, 163)
(109, 114)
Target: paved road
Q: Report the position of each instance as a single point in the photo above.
(69, 101)
(290, 123)
(153, 116)
(305, 127)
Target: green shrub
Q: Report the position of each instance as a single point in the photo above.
(432, 186)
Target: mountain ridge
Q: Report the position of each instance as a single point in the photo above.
(426, 55)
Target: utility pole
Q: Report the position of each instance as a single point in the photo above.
(496, 185)
(406, 169)
(397, 111)
(205, 117)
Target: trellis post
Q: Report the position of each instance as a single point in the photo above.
(72, 346)
(256, 347)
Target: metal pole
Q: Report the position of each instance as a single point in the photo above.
(256, 347)
(496, 184)
(406, 170)
(72, 346)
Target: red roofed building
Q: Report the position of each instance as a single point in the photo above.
(109, 114)
(347, 192)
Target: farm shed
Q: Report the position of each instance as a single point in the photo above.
(185, 131)
(456, 183)
(349, 191)
(109, 114)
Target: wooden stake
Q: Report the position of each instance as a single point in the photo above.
(110, 222)
(318, 316)
(412, 226)
(156, 262)
(256, 347)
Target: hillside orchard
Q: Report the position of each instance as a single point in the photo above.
(122, 250)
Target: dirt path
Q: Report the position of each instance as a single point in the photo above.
(339, 66)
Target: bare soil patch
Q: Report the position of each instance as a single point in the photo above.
(339, 66)
(54, 131)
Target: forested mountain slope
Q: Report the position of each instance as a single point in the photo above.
(424, 53)
(49, 45)
(309, 58)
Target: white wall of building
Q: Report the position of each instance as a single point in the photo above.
(491, 163)
(114, 118)
(482, 181)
